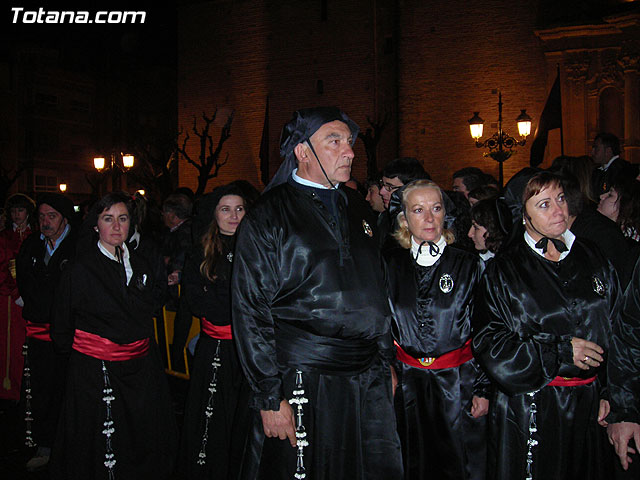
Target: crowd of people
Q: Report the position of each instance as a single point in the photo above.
(392, 329)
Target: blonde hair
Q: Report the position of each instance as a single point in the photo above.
(402, 233)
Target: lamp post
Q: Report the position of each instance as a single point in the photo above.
(501, 145)
(127, 163)
(62, 187)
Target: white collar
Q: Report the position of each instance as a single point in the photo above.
(608, 164)
(488, 255)
(108, 254)
(308, 183)
(424, 257)
(568, 237)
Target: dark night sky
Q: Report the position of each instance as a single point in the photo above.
(87, 45)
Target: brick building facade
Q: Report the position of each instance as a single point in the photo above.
(428, 65)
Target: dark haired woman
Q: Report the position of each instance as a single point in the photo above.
(442, 394)
(216, 412)
(490, 224)
(622, 203)
(116, 420)
(541, 331)
(18, 209)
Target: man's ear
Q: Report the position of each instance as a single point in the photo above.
(302, 153)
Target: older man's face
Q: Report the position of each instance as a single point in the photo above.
(51, 221)
(332, 144)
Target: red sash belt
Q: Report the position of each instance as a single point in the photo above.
(215, 331)
(570, 382)
(455, 358)
(39, 331)
(104, 349)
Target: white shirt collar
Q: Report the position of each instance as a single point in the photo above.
(424, 257)
(568, 237)
(488, 255)
(611, 160)
(125, 258)
(308, 183)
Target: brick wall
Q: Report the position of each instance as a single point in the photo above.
(443, 59)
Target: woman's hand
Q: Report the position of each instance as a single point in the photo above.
(479, 407)
(586, 354)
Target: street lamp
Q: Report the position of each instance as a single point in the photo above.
(501, 145)
(100, 164)
(63, 187)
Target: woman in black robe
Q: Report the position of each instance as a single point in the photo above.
(541, 331)
(116, 420)
(441, 398)
(216, 412)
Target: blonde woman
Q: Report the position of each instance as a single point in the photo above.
(441, 397)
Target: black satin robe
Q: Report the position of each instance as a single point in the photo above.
(528, 310)
(440, 439)
(308, 293)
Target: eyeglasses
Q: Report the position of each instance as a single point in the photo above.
(390, 188)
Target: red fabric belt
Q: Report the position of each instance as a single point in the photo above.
(104, 349)
(215, 331)
(570, 382)
(39, 331)
(451, 359)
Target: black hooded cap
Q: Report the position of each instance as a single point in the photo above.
(300, 128)
(60, 203)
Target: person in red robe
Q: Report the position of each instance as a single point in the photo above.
(18, 209)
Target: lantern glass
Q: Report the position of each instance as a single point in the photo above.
(98, 163)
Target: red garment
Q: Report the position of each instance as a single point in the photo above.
(12, 326)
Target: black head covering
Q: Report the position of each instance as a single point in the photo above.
(19, 200)
(60, 203)
(301, 127)
(206, 208)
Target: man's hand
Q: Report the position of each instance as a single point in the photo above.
(394, 380)
(619, 436)
(280, 423)
(479, 407)
(603, 411)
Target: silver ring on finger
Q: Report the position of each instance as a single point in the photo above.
(586, 359)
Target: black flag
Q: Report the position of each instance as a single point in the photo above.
(264, 147)
(551, 118)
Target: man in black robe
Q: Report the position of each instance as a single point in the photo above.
(310, 317)
(39, 266)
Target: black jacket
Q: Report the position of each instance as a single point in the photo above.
(93, 296)
(37, 282)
